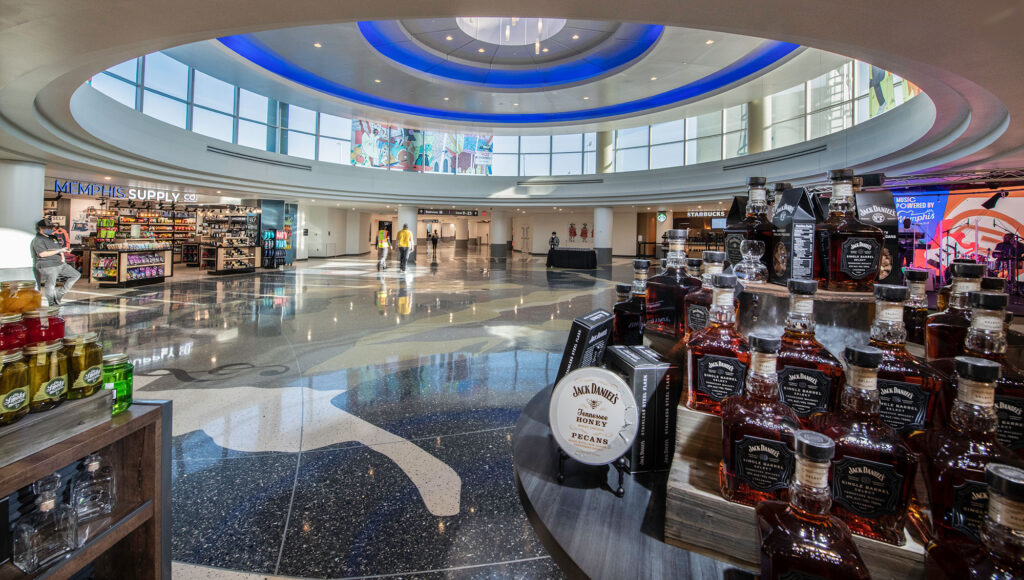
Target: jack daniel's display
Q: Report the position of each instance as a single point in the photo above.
(718, 355)
(792, 253)
(666, 291)
(755, 226)
(848, 250)
(631, 313)
(650, 378)
(878, 208)
(588, 338)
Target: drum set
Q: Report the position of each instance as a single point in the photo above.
(1004, 261)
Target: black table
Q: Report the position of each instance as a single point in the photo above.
(578, 258)
(588, 531)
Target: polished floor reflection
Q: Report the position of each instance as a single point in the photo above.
(334, 421)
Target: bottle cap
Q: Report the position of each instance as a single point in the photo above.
(723, 280)
(1005, 480)
(675, 234)
(756, 181)
(814, 446)
(968, 269)
(764, 342)
(9, 318)
(840, 175)
(114, 359)
(988, 300)
(916, 275)
(780, 186)
(802, 287)
(993, 284)
(623, 288)
(641, 264)
(714, 257)
(867, 357)
(891, 292)
(694, 263)
(978, 369)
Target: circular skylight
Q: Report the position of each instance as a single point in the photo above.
(511, 31)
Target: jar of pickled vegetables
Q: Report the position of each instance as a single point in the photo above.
(85, 364)
(13, 335)
(19, 296)
(118, 375)
(13, 387)
(43, 325)
(47, 376)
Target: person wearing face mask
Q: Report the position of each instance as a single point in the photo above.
(49, 264)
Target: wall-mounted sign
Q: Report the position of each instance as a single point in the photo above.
(711, 213)
(662, 216)
(452, 212)
(112, 191)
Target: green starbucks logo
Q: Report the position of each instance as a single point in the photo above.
(56, 387)
(15, 400)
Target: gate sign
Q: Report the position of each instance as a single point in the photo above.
(453, 212)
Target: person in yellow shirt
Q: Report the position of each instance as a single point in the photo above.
(404, 245)
(383, 243)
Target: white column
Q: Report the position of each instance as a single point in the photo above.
(499, 234)
(21, 206)
(408, 216)
(603, 235)
(462, 233)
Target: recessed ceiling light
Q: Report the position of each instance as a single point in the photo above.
(318, 45)
(107, 177)
(446, 98)
(218, 191)
(545, 49)
(480, 50)
(586, 98)
(376, 80)
(575, 36)
(449, 37)
(719, 203)
(709, 41)
(515, 104)
(654, 78)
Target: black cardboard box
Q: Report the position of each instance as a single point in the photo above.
(652, 388)
(737, 213)
(878, 209)
(793, 254)
(670, 390)
(588, 338)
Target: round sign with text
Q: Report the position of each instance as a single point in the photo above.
(593, 416)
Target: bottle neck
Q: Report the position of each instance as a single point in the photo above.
(918, 295)
(757, 202)
(676, 257)
(841, 201)
(723, 309)
(888, 327)
(961, 287)
(620, 298)
(709, 270)
(640, 282)
(809, 491)
(860, 394)
(762, 380)
(1002, 531)
(974, 409)
(987, 335)
(801, 314)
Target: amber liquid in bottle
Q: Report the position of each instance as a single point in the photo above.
(954, 459)
(718, 355)
(848, 250)
(697, 304)
(915, 311)
(945, 331)
(757, 434)
(800, 539)
(666, 291)
(873, 469)
(909, 390)
(755, 226)
(630, 314)
(810, 377)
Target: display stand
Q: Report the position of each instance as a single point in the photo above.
(219, 260)
(124, 268)
(190, 254)
(134, 542)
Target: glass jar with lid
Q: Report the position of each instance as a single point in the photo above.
(19, 296)
(13, 335)
(47, 376)
(44, 325)
(118, 377)
(13, 387)
(85, 364)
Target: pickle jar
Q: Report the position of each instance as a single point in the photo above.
(13, 387)
(44, 325)
(85, 364)
(13, 335)
(47, 376)
(118, 377)
(20, 296)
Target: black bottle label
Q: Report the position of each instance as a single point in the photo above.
(719, 377)
(903, 406)
(697, 317)
(867, 488)
(806, 391)
(860, 257)
(763, 464)
(1010, 411)
(970, 504)
(732, 247)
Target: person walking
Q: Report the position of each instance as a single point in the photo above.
(404, 245)
(433, 242)
(382, 249)
(49, 264)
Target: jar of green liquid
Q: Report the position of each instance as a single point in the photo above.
(117, 377)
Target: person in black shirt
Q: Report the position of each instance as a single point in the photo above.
(49, 264)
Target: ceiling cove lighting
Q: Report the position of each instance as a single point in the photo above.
(511, 31)
(317, 45)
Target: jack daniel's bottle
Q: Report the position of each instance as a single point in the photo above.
(697, 304)
(915, 311)
(628, 326)
(945, 331)
(666, 291)
(848, 250)
(755, 226)
(718, 355)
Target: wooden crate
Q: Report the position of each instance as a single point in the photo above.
(37, 431)
(697, 518)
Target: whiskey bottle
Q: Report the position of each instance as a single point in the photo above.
(873, 469)
(915, 311)
(775, 195)
(94, 492)
(665, 292)
(755, 226)
(717, 355)
(47, 534)
(810, 377)
(954, 459)
(757, 432)
(697, 304)
(848, 250)
(945, 331)
(628, 326)
(942, 296)
(1001, 553)
(800, 539)
(693, 270)
(908, 389)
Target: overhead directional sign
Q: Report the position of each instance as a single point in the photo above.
(452, 212)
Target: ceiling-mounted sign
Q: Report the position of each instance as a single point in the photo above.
(113, 191)
(662, 216)
(706, 213)
(452, 212)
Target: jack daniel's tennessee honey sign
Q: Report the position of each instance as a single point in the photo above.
(593, 416)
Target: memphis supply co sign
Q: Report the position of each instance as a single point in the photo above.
(68, 187)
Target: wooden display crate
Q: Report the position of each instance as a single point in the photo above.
(699, 519)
